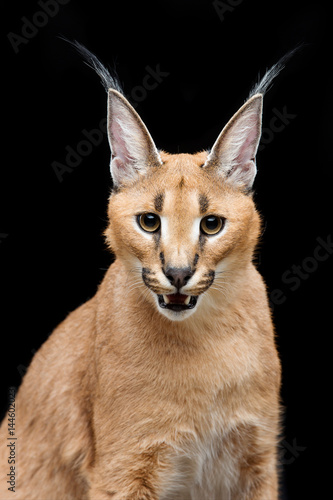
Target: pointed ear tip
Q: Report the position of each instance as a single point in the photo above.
(257, 95)
(258, 98)
(114, 93)
(254, 103)
(117, 99)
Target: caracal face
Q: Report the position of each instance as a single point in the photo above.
(182, 232)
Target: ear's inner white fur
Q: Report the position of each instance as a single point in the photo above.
(133, 149)
(234, 151)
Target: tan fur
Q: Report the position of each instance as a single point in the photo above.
(122, 402)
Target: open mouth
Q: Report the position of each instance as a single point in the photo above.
(177, 302)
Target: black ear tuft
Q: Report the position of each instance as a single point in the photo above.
(108, 76)
(265, 82)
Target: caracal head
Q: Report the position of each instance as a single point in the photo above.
(184, 225)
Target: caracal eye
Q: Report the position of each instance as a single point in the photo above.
(211, 224)
(149, 222)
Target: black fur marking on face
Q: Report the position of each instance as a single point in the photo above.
(202, 241)
(145, 275)
(162, 258)
(148, 277)
(196, 258)
(210, 275)
(158, 202)
(157, 238)
(204, 283)
(203, 203)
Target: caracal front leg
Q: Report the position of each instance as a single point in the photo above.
(131, 475)
(265, 489)
(254, 449)
(260, 481)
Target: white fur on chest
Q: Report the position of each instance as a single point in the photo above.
(204, 470)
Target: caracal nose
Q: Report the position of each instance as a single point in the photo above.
(178, 276)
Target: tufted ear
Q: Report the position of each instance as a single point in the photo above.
(133, 150)
(233, 154)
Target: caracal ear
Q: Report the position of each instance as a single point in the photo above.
(133, 151)
(233, 154)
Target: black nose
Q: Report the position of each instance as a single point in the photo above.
(178, 276)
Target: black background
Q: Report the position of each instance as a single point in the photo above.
(52, 251)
